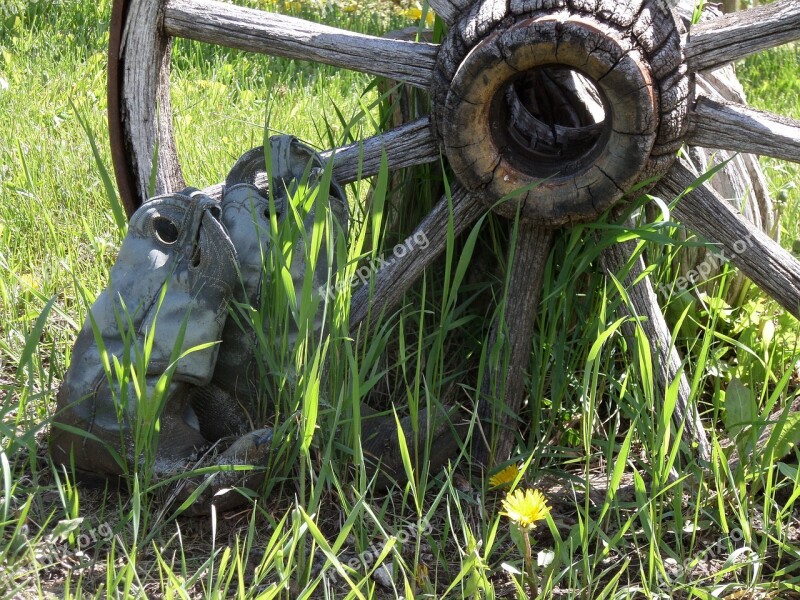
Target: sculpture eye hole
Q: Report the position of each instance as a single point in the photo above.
(166, 231)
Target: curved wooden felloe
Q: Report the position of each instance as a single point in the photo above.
(631, 99)
(139, 90)
(116, 130)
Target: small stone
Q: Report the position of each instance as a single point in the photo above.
(383, 575)
(461, 484)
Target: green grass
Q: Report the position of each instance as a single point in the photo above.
(770, 79)
(593, 422)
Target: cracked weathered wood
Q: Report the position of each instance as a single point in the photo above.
(759, 257)
(427, 242)
(503, 392)
(145, 101)
(573, 190)
(736, 127)
(278, 35)
(669, 366)
(405, 146)
(722, 40)
(576, 128)
(496, 147)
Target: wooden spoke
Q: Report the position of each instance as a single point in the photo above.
(758, 256)
(278, 35)
(399, 273)
(405, 146)
(522, 302)
(616, 260)
(736, 127)
(719, 41)
(449, 10)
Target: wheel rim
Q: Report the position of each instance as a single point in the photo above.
(115, 126)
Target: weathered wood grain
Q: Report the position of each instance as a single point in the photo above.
(731, 126)
(477, 23)
(449, 10)
(405, 146)
(400, 273)
(617, 260)
(758, 256)
(145, 101)
(496, 149)
(568, 140)
(279, 35)
(521, 305)
(713, 43)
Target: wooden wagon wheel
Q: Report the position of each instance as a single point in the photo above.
(488, 118)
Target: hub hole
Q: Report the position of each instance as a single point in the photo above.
(550, 121)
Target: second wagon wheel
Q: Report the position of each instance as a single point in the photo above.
(492, 121)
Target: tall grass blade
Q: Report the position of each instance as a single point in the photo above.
(32, 341)
(117, 209)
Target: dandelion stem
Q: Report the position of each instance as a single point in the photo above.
(534, 585)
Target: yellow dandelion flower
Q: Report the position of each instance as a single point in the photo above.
(415, 14)
(504, 477)
(30, 281)
(525, 507)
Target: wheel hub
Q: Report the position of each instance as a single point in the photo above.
(559, 112)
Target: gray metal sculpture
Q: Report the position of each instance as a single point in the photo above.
(187, 265)
(173, 279)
